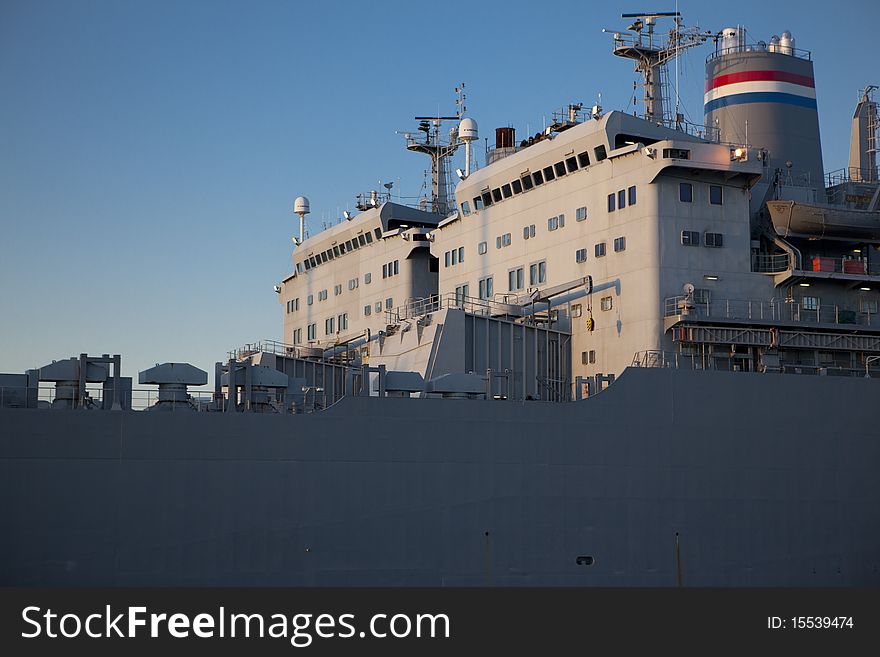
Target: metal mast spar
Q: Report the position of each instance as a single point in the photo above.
(651, 53)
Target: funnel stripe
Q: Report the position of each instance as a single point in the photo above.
(762, 76)
(759, 97)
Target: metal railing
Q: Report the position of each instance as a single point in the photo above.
(777, 310)
(775, 263)
(761, 46)
(676, 360)
(415, 308)
(851, 174)
(846, 265)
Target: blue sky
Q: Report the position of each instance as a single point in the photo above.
(150, 151)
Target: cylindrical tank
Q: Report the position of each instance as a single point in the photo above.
(786, 43)
(505, 137)
(767, 99)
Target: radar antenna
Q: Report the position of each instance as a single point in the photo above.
(651, 52)
(439, 148)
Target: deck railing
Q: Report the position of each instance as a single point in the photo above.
(777, 310)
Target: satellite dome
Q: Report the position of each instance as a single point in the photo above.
(301, 205)
(467, 130)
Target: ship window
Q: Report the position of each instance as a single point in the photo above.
(714, 239)
(632, 195)
(599, 250)
(505, 239)
(353, 283)
(868, 306)
(548, 174)
(348, 245)
(517, 186)
(584, 159)
(368, 309)
(486, 288)
(465, 208)
(676, 153)
(337, 289)
(496, 195)
(297, 336)
(715, 194)
(560, 169)
(312, 331)
(396, 271)
(336, 251)
(362, 240)
(328, 326)
(600, 153)
(505, 191)
(592, 360)
(389, 303)
(577, 310)
(299, 267)
(342, 321)
(515, 279)
(369, 237)
(330, 254)
(378, 306)
(354, 243)
(378, 233)
(580, 255)
(690, 238)
(310, 299)
(553, 223)
(619, 244)
(527, 182)
(538, 273)
(572, 164)
(322, 295)
(478, 203)
(538, 177)
(611, 202)
(621, 199)
(454, 253)
(482, 248)
(562, 221)
(487, 198)
(525, 232)
(460, 257)
(685, 192)
(606, 303)
(810, 303)
(385, 267)
(342, 248)
(498, 242)
(368, 278)
(580, 214)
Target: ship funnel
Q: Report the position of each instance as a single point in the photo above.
(766, 99)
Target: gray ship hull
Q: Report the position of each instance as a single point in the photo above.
(708, 478)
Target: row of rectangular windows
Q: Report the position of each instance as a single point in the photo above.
(454, 257)
(338, 250)
(692, 238)
(530, 180)
(619, 244)
(333, 325)
(622, 196)
(686, 193)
